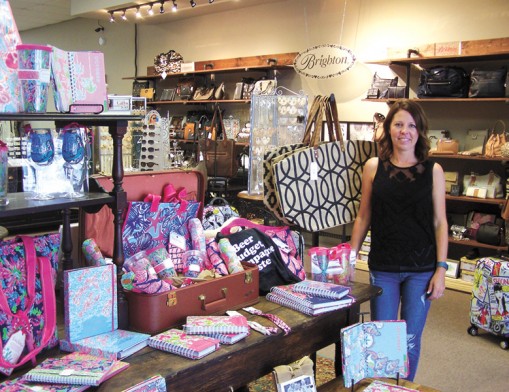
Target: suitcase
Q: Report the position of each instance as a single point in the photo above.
(137, 185)
(489, 308)
(154, 313)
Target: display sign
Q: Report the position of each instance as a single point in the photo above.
(324, 61)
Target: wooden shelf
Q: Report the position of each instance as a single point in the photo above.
(468, 199)
(204, 102)
(475, 244)
(442, 100)
(470, 157)
(450, 283)
(257, 68)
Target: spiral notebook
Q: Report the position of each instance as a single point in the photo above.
(228, 338)
(311, 301)
(321, 289)
(178, 342)
(210, 324)
(279, 299)
(75, 369)
(18, 385)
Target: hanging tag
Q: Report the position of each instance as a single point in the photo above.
(13, 350)
(178, 240)
(313, 171)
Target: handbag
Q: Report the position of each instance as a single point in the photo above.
(475, 142)
(302, 367)
(451, 178)
(203, 94)
(489, 233)
(219, 155)
(264, 87)
(475, 219)
(382, 85)
(496, 140)
(255, 247)
(217, 212)
(319, 187)
(491, 182)
(272, 155)
(289, 242)
(159, 221)
(443, 81)
(28, 270)
(447, 147)
(434, 136)
(487, 83)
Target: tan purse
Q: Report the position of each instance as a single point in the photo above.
(451, 178)
(447, 147)
(495, 141)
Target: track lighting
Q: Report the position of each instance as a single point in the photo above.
(150, 11)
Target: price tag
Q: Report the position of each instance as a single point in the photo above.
(313, 171)
(177, 240)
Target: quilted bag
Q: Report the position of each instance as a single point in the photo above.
(319, 187)
(28, 270)
(159, 221)
(217, 212)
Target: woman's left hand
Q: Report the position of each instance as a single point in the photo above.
(436, 287)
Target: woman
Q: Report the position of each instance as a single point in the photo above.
(403, 202)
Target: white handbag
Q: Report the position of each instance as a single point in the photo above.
(491, 182)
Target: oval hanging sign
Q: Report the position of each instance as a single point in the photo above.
(324, 61)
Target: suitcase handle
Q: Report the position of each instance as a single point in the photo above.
(212, 305)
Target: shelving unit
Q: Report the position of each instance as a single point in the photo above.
(116, 199)
(483, 53)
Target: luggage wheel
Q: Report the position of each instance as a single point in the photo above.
(504, 344)
(472, 330)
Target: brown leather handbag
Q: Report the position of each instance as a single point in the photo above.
(219, 155)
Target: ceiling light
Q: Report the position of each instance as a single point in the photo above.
(123, 16)
(151, 11)
(138, 13)
(174, 7)
(161, 9)
(112, 18)
(193, 3)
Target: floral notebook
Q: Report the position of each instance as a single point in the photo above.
(178, 342)
(75, 369)
(374, 349)
(210, 324)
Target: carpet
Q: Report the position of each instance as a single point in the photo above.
(324, 373)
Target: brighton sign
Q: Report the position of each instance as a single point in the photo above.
(324, 61)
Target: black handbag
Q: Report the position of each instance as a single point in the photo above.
(381, 85)
(487, 83)
(443, 81)
(489, 233)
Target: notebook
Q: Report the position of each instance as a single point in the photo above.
(91, 317)
(19, 385)
(322, 289)
(178, 342)
(228, 338)
(299, 306)
(381, 386)
(308, 300)
(75, 369)
(374, 349)
(79, 81)
(210, 324)
(153, 384)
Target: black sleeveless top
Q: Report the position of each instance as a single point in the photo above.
(402, 229)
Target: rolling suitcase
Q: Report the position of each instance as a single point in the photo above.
(489, 308)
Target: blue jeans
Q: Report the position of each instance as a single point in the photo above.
(410, 288)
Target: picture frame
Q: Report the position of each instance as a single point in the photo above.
(304, 383)
(342, 125)
(361, 131)
(168, 94)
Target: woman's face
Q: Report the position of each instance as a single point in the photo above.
(404, 133)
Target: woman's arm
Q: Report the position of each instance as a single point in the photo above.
(437, 284)
(363, 219)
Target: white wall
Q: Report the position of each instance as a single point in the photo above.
(367, 27)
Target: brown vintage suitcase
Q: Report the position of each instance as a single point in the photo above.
(154, 313)
(137, 185)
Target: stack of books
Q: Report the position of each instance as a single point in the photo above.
(177, 342)
(312, 297)
(227, 329)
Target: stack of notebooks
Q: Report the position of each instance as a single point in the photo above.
(227, 329)
(72, 373)
(177, 342)
(90, 315)
(311, 297)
